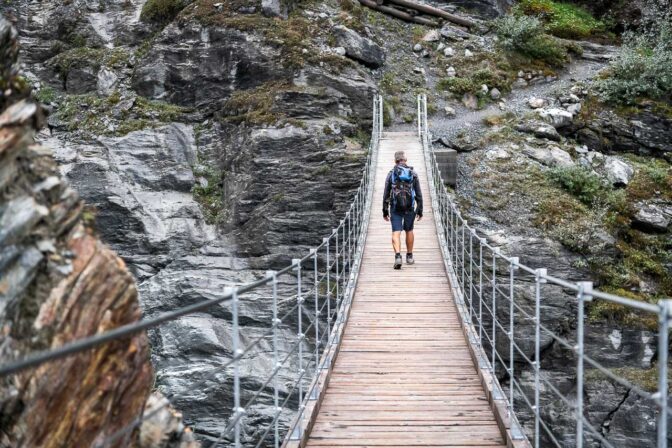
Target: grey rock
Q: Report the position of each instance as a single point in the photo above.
(540, 154)
(617, 171)
(454, 33)
(431, 36)
(358, 47)
(495, 94)
(451, 72)
(539, 129)
(273, 8)
(81, 80)
(450, 111)
(468, 54)
(536, 103)
(574, 109)
(107, 81)
(519, 83)
(449, 52)
(559, 118)
(561, 158)
(417, 48)
(18, 217)
(470, 101)
(652, 217)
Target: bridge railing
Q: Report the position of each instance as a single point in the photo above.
(506, 308)
(307, 300)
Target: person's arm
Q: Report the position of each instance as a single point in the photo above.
(386, 195)
(418, 196)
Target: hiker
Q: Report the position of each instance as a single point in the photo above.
(402, 202)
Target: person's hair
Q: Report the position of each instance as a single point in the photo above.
(400, 156)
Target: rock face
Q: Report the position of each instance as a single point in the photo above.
(257, 166)
(59, 284)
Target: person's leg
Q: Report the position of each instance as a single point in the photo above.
(410, 239)
(397, 227)
(396, 242)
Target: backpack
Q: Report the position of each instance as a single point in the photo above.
(403, 195)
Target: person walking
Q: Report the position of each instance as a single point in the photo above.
(402, 202)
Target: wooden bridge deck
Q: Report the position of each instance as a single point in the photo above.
(404, 375)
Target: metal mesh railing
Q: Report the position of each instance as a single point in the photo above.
(308, 301)
(506, 308)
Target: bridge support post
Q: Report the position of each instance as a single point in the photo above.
(584, 295)
(276, 358)
(299, 337)
(512, 268)
(665, 317)
(538, 280)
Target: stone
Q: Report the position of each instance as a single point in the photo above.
(419, 70)
(539, 129)
(450, 111)
(359, 48)
(561, 158)
(484, 89)
(497, 153)
(425, 54)
(652, 217)
(417, 48)
(470, 101)
(574, 109)
(454, 33)
(618, 172)
(536, 103)
(449, 52)
(451, 72)
(340, 51)
(468, 54)
(559, 118)
(273, 8)
(107, 82)
(440, 47)
(540, 154)
(495, 94)
(519, 83)
(431, 36)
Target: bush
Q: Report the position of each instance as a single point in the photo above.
(580, 182)
(562, 19)
(642, 69)
(525, 35)
(162, 11)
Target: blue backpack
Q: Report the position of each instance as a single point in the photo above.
(403, 195)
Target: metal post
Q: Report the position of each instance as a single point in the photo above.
(380, 115)
(462, 263)
(537, 351)
(338, 275)
(276, 357)
(663, 348)
(585, 288)
(494, 314)
(419, 118)
(513, 266)
(236, 368)
(317, 313)
(298, 431)
(327, 242)
(480, 292)
(471, 276)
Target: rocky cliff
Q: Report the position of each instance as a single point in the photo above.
(59, 284)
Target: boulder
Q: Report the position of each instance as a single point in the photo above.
(495, 94)
(450, 111)
(449, 52)
(454, 33)
(652, 217)
(468, 54)
(541, 155)
(273, 8)
(536, 103)
(617, 171)
(359, 48)
(107, 81)
(561, 158)
(559, 118)
(539, 129)
(432, 36)
(451, 72)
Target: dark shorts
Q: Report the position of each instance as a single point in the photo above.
(402, 221)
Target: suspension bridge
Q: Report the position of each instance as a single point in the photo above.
(426, 356)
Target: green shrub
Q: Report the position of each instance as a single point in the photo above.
(562, 19)
(162, 11)
(457, 85)
(525, 35)
(580, 182)
(642, 68)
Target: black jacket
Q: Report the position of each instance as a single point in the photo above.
(388, 192)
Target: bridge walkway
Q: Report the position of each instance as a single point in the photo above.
(404, 375)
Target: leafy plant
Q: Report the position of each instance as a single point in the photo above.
(580, 182)
(161, 11)
(642, 68)
(525, 35)
(562, 19)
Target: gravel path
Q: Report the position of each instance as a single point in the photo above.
(472, 121)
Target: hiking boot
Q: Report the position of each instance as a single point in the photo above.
(409, 259)
(397, 262)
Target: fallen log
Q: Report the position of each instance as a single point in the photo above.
(398, 14)
(434, 12)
